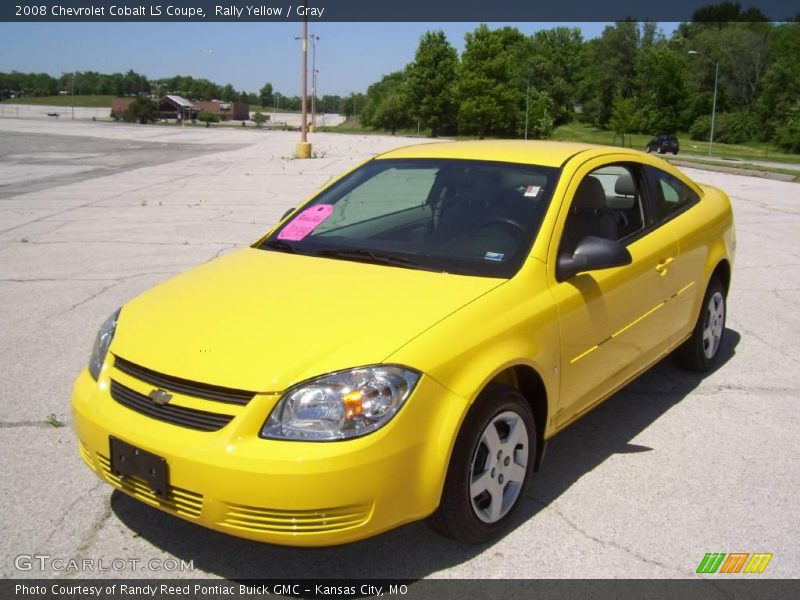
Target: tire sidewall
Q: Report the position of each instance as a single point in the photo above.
(486, 408)
(706, 363)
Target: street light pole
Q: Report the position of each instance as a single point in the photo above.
(527, 96)
(714, 107)
(314, 40)
(714, 102)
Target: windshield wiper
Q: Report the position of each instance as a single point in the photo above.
(369, 256)
(281, 246)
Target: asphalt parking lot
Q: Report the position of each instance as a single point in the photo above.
(672, 467)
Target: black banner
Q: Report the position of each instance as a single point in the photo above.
(708, 588)
(498, 11)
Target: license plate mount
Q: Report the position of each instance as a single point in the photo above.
(129, 461)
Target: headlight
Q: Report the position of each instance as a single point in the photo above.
(341, 405)
(101, 344)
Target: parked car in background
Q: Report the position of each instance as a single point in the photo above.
(662, 144)
(403, 345)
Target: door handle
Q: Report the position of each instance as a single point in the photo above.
(662, 265)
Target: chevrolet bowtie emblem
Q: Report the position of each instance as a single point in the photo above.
(159, 397)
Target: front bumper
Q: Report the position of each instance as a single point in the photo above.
(282, 492)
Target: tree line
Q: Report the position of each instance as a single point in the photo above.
(631, 79)
(91, 83)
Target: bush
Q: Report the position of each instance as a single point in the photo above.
(730, 128)
(788, 135)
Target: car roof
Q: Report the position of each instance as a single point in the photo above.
(548, 154)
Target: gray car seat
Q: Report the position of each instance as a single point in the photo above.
(588, 215)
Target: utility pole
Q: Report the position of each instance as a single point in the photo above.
(304, 147)
(72, 95)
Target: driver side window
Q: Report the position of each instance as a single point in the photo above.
(608, 204)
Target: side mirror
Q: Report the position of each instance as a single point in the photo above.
(287, 213)
(592, 254)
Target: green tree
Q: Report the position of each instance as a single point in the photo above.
(142, 110)
(661, 89)
(228, 93)
(541, 114)
(552, 61)
(259, 118)
(392, 112)
(386, 104)
(623, 117)
(610, 67)
(208, 118)
(780, 86)
(489, 91)
(266, 92)
(431, 83)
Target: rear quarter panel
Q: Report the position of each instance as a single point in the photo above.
(707, 238)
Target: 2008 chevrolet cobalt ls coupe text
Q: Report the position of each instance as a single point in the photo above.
(402, 345)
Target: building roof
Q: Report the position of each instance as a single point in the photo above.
(179, 100)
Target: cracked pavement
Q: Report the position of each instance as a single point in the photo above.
(672, 467)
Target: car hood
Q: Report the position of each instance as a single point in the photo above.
(262, 321)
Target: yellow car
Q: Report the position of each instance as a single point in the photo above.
(403, 345)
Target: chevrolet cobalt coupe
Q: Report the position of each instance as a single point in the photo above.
(403, 345)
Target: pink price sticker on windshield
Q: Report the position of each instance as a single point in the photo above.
(304, 223)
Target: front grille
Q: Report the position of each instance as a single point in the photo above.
(251, 518)
(178, 500)
(184, 386)
(177, 415)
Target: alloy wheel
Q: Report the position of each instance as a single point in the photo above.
(713, 325)
(498, 468)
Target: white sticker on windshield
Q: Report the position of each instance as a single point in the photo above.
(532, 191)
(495, 256)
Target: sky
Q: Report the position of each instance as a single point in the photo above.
(350, 56)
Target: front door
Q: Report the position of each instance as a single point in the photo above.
(614, 321)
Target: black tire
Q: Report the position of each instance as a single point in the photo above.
(701, 351)
(458, 514)
(648, 149)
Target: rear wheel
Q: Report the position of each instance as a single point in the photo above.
(700, 352)
(490, 467)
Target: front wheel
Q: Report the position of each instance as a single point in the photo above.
(701, 351)
(490, 467)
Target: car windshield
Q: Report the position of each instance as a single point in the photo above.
(455, 216)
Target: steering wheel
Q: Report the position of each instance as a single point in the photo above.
(511, 223)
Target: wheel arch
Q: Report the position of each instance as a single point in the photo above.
(529, 383)
(722, 271)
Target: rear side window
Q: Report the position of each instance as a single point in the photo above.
(672, 196)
